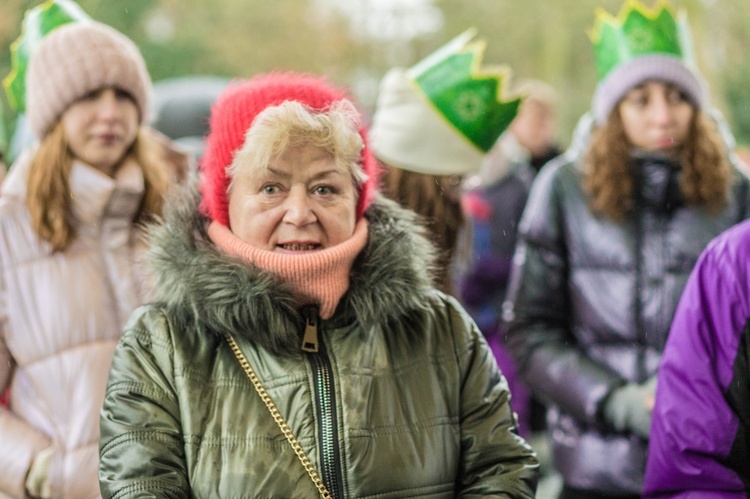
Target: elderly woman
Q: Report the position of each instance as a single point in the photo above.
(293, 274)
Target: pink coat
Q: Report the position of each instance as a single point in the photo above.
(60, 319)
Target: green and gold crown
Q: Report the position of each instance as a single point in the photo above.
(638, 31)
(37, 22)
(471, 98)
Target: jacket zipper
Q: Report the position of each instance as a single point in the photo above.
(325, 404)
(638, 304)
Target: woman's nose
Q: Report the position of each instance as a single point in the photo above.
(107, 105)
(661, 112)
(298, 207)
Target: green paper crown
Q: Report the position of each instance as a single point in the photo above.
(471, 99)
(638, 31)
(37, 22)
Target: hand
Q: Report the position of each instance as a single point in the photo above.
(37, 478)
(629, 407)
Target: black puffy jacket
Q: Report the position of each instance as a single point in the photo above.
(590, 304)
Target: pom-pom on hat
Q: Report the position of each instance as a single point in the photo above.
(642, 44)
(78, 58)
(233, 114)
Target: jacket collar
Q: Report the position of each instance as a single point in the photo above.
(202, 286)
(95, 195)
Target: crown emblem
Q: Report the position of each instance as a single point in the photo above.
(471, 98)
(37, 22)
(637, 31)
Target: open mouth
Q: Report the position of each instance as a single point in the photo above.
(299, 247)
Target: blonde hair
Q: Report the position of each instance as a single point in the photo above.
(291, 124)
(706, 171)
(48, 194)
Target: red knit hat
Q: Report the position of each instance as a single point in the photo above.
(232, 115)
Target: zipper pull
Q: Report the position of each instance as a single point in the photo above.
(310, 338)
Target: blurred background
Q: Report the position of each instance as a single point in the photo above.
(356, 41)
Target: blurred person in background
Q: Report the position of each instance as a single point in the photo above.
(609, 235)
(534, 130)
(493, 202)
(289, 269)
(433, 124)
(70, 222)
(699, 443)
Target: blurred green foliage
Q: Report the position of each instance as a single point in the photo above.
(537, 38)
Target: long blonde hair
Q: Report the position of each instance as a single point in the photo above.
(48, 194)
(706, 171)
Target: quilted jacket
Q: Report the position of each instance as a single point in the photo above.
(61, 314)
(699, 445)
(591, 301)
(403, 398)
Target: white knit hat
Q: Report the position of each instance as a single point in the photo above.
(407, 132)
(441, 116)
(78, 58)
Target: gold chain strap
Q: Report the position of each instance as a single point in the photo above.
(278, 418)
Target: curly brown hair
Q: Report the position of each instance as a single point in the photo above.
(430, 197)
(706, 171)
(48, 193)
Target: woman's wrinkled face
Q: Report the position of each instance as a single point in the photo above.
(302, 202)
(656, 116)
(100, 127)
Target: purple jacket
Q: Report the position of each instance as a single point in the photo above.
(700, 433)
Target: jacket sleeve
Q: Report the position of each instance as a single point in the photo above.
(495, 461)
(141, 448)
(19, 442)
(695, 430)
(537, 311)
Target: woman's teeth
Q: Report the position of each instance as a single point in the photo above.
(299, 247)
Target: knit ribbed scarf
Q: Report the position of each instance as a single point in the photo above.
(319, 277)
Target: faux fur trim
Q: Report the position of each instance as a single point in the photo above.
(205, 289)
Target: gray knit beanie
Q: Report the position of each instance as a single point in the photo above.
(659, 67)
(78, 58)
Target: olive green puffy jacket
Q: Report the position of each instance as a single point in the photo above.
(403, 398)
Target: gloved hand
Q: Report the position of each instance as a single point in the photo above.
(629, 407)
(37, 479)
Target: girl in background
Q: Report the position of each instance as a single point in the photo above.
(70, 216)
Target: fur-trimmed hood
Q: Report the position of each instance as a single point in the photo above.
(205, 288)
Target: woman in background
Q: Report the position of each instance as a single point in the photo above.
(70, 217)
(607, 241)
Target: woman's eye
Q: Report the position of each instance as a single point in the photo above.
(676, 97)
(121, 94)
(93, 95)
(640, 100)
(323, 190)
(270, 189)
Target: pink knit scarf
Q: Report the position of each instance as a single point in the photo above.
(320, 277)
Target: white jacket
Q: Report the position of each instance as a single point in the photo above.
(60, 319)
